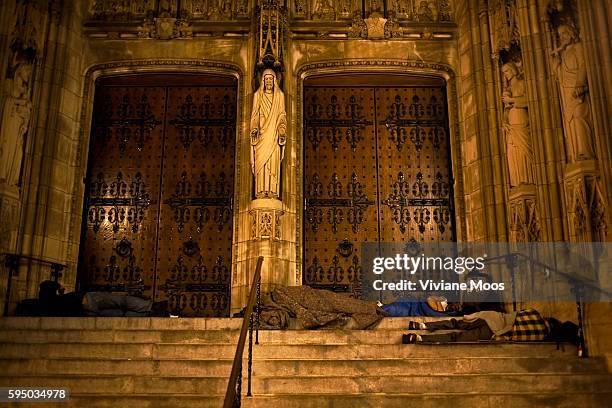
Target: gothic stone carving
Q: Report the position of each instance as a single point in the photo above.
(524, 220)
(587, 209)
(9, 210)
(26, 39)
(137, 10)
(359, 28)
(516, 127)
(270, 34)
(375, 26)
(15, 124)
(266, 224)
(268, 136)
(570, 70)
(166, 28)
(504, 28)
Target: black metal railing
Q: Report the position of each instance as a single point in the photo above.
(12, 262)
(577, 285)
(250, 321)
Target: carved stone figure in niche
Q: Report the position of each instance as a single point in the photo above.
(165, 8)
(402, 9)
(324, 10)
(344, 11)
(424, 12)
(516, 127)
(574, 92)
(268, 135)
(375, 7)
(15, 123)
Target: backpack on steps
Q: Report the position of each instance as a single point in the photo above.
(566, 332)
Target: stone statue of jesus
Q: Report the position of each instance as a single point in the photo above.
(268, 136)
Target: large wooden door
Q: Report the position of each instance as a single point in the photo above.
(376, 169)
(159, 191)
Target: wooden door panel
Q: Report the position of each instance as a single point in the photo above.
(414, 172)
(340, 186)
(118, 250)
(393, 141)
(195, 231)
(159, 191)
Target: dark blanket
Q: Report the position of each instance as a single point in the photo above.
(317, 309)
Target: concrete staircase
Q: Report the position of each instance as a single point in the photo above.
(155, 362)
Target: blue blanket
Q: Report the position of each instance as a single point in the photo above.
(411, 308)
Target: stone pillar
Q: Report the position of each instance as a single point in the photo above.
(267, 224)
(482, 151)
(9, 224)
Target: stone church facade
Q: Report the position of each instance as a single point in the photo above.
(125, 151)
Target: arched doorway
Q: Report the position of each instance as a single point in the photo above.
(377, 168)
(159, 188)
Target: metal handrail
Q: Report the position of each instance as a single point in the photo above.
(234, 385)
(11, 262)
(570, 278)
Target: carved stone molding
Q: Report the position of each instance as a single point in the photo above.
(165, 19)
(135, 11)
(408, 11)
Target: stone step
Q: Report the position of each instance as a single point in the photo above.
(160, 323)
(388, 384)
(115, 323)
(213, 351)
(202, 336)
(364, 351)
(291, 367)
(428, 400)
(431, 400)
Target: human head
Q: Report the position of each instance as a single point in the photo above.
(48, 290)
(268, 79)
(23, 71)
(509, 70)
(566, 35)
(557, 5)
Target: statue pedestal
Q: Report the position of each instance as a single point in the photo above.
(267, 238)
(586, 205)
(580, 169)
(524, 221)
(265, 219)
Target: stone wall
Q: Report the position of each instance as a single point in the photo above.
(42, 215)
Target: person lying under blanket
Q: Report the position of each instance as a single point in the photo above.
(525, 325)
